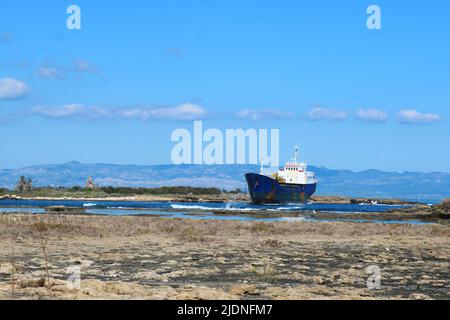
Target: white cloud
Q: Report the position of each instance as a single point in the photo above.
(181, 112)
(85, 66)
(49, 72)
(320, 113)
(83, 112)
(76, 111)
(263, 114)
(371, 115)
(414, 116)
(12, 89)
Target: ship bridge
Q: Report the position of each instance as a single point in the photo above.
(295, 172)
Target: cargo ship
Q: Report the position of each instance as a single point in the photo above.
(291, 184)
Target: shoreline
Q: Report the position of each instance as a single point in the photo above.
(216, 199)
(413, 212)
(412, 215)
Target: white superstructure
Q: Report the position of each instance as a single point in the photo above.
(295, 172)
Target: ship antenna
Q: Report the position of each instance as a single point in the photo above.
(262, 166)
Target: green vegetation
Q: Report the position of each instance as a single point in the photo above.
(99, 192)
(161, 191)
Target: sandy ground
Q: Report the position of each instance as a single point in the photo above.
(154, 258)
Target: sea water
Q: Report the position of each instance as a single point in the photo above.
(204, 210)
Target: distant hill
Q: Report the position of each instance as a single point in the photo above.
(369, 183)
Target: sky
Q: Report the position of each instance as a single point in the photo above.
(114, 91)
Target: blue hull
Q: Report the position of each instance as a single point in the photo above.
(265, 189)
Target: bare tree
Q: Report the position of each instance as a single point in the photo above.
(42, 231)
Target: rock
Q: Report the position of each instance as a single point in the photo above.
(442, 210)
(64, 210)
(318, 280)
(64, 288)
(419, 296)
(6, 268)
(221, 260)
(241, 290)
(82, 263)
(204, 293)
(30, 283)
(10, 197)
(382, 201)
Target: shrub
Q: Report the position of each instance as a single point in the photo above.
(442, 210)
(161, 191)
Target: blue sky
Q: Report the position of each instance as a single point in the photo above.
(114, 91)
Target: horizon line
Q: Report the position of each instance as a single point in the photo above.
(211, 165)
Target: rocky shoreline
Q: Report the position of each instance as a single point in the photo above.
(214, 199)
(413, 211)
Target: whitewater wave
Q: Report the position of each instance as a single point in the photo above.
(384, 205)
(191, 207)
(285, 208)
(197, 207)
(238, 209)
(89, 204)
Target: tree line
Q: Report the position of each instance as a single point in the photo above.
(175, 190)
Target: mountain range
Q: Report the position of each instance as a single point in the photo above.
(369, 183)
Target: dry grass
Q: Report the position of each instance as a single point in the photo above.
(152, 257)
(41, 230)
(61, 226)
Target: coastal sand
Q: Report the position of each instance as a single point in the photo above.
(155, 258)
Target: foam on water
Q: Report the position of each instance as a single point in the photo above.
(89, 205)
(206, 208)
(189, 207)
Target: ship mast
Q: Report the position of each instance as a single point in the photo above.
(261, 170)
(296, 155)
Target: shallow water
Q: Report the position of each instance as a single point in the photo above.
(202, 206)
(203, 211)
